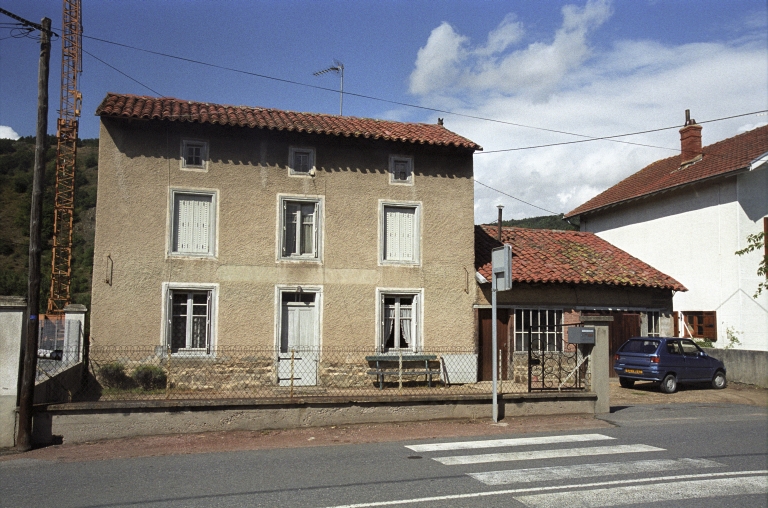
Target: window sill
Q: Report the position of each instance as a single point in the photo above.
(182, 255)
(301, 259)
(406, 264)
(195, 169)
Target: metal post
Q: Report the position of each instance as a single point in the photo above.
(27, 394)
(293, 354)
(494, 359)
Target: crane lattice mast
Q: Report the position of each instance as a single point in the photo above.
(66, 152)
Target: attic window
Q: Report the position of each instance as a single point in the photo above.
(194, 154)
(302, 161)
(400, 170)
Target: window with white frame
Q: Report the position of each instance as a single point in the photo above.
(400, 234)
(300, 227)
(400, 328)
(653, 324)
(194, 154)
(193, 221)
(301, 161)
(400, 169)
(544, 326)
(190, 317)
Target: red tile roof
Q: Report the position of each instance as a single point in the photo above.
(566, 257)
(723, 157)
(175, 110)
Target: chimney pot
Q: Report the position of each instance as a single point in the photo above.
(690, 139)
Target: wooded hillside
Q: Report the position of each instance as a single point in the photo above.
(17, 160)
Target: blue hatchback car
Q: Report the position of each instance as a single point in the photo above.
(668, 361)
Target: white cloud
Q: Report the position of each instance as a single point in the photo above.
(7, 133)
(564, 84)
(448, 63)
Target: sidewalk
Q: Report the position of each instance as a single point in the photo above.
(211, 442)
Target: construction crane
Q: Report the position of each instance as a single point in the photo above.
(66, 154)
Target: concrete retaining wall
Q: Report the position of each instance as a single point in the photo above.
(744, 366)
(80, 422)
(12, 330)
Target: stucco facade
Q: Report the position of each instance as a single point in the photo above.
(247, 181)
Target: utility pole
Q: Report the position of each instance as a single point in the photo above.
(27, 394)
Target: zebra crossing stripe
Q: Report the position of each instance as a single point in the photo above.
(544, 474)
(647, 484)
(660, 492)
(496, 443)
(545, 454)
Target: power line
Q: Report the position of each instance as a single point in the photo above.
(415, 106)
(622, 135)
(123, 73)
(513, 197)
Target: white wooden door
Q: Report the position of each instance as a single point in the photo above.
(299, 344)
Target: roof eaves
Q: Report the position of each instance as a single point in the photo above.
(658, 192)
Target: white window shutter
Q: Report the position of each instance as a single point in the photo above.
(316, 228)
(406, 234)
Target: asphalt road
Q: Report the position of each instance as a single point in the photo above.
(692, 455)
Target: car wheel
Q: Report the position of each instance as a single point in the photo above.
(718, 382)
(669, 384)
(625, 382)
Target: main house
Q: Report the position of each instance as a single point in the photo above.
(687, 215)
(223, 226)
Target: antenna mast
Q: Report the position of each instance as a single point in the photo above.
(338, 68)
(66, 152)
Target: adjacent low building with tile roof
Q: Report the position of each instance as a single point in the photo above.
(559, 277)
(687, 215)
(221, 226)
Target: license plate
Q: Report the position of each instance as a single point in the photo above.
(633, 371)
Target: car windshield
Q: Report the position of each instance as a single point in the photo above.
(640, 346)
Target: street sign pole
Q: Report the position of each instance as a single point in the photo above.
(494, 355)
(501, 280)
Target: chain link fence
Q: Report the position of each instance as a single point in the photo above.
(112, 373)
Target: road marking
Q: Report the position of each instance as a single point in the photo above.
(697, 489)
(545, 454)
(568, 488)
(544, 474)
(495, 443)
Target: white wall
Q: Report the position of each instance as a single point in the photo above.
(692, 235)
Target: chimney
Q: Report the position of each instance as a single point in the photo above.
(690, 139)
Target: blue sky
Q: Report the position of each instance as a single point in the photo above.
(589, 67)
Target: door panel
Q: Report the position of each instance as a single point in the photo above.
(299, 344)
(485, 334)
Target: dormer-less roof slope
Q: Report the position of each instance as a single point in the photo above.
(566, 257)
(718, 159)
(175, 110)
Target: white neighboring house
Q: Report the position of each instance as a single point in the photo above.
(686, 216)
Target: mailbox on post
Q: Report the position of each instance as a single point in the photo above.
(581, 335)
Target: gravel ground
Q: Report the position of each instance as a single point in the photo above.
(370, 433)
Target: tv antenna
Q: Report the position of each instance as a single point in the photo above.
(337, 68)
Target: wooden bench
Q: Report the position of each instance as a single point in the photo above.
(401, 366)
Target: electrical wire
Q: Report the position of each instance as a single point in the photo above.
(513, 197)
(123, 73)
(613, 138)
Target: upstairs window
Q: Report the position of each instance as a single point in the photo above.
(194, 154)
(193, 223)
(302, 161)
(400, 170)
(300, 229)
(400, 234)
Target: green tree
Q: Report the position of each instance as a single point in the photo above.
(757, 242)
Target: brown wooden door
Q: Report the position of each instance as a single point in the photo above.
(485, 334)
